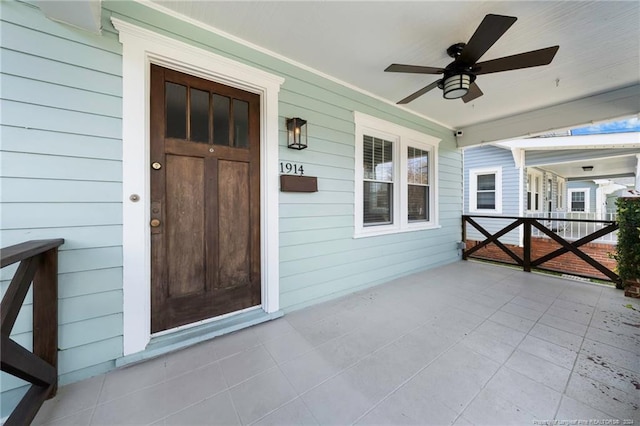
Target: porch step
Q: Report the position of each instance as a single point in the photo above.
(181, 339)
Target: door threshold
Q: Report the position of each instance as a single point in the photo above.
(180, 339)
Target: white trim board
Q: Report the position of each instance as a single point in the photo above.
(140, 48)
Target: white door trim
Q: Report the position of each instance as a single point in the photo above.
(140, 48)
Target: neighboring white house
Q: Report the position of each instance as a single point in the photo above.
(560, 176)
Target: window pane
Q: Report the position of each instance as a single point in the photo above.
(417, 166)
(199, 116)
(240, 124)
(577, 206)
(577, 196)
(221, 120)
(486, 200)
(176, 110)
(377, 203)
(418, 203)
(487, 182)
(528, 200)
(377, 159)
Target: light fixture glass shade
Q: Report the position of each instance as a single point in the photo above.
(296, 133)
(456, 86)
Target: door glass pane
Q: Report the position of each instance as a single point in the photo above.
(418, 203)
(221, 120)
(487, 182)
(199, 116)
(377, 159)
(377, 203)
(176, 110)
(240, 124)
(417, 166)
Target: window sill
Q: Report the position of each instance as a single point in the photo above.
(378, 232)
(485, 211)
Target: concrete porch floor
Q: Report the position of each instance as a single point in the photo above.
(467, 343)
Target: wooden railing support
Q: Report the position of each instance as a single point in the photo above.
(527, 262)
(38, 264)
(526, 253)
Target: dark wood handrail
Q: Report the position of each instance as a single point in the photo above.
(527, 262)
(38, 264)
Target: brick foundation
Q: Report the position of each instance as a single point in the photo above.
(568, 262)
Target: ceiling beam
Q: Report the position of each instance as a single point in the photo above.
(611, 105)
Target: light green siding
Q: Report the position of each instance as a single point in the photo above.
(62, 170)
(61, 175)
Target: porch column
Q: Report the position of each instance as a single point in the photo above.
(637, 172)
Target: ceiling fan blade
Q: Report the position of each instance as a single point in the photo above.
(534, 58)
(473, 93)
(488, 32)
(419, 93)
(414, 69)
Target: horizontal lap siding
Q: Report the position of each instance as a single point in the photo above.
(61, 173)
(319, 257)
(62, 169)
(491, 156)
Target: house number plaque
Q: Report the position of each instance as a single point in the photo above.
(291, 169)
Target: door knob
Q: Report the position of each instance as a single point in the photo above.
(155, 223)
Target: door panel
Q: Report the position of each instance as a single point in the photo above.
(185, 224)
(234, 253)
(205, 199)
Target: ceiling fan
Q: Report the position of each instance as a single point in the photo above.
(459, 76)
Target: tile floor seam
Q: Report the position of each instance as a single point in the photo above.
(575, 362)
(165, 380)
(376, 404)
(357, 361)
(191, 405)
(95, 405)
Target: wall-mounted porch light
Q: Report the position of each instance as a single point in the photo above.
(296, 133)
(587, 168)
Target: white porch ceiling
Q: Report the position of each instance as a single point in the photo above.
(355, 41)
(602, 168)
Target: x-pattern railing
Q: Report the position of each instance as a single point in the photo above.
(38, 264)
(526, 261)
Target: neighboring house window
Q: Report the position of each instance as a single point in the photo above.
(579, 200)
(560, 195)
(534, 189)
(395, 178)
(485, 190)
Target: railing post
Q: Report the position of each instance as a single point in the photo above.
(526, 255)
(45, 311)
(464, 237)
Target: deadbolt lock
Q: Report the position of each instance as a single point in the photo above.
(155, 223)
(156, 166)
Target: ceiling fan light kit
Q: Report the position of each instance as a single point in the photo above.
(456, 86)
(460, 75)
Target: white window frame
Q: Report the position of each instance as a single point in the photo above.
(533, 174)
(402, 139)
(587, 199)
(473, 189)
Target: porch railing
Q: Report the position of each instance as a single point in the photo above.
(572, 227)
(524, 255)
(38, 264)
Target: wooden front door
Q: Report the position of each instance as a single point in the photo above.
(205, 199)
